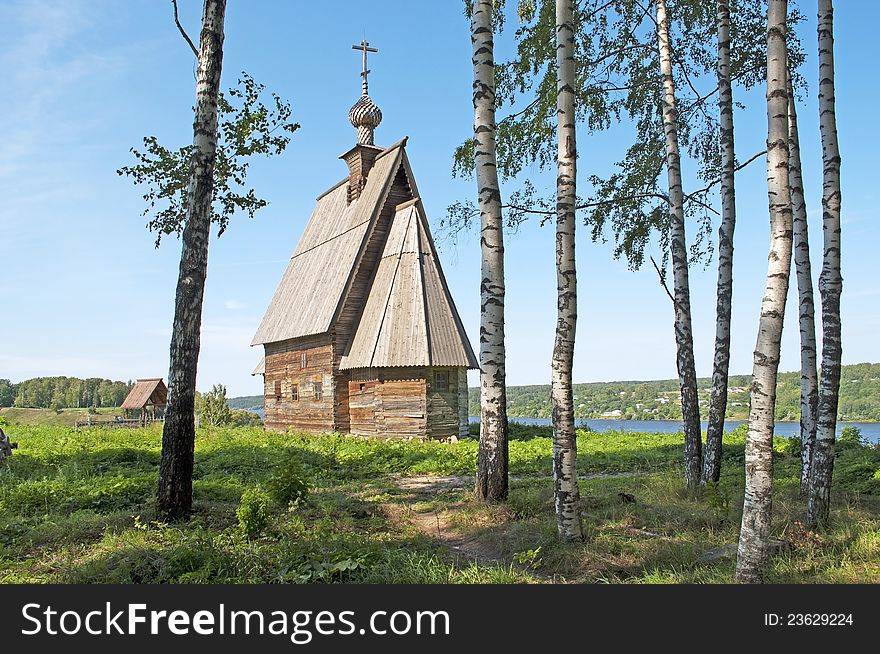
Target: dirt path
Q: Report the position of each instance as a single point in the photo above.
(435, 525)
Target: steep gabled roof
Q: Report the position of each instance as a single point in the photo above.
(145, 391)
(409, 318)
(314, 284)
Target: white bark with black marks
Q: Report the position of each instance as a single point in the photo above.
(174, 496)
(754, 539)
(684, 338)
(491, 483)
(565, 482)
(721, 362)
(830, 280)
(806, 310)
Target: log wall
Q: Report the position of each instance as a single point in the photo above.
(388, 402)
(284, 372)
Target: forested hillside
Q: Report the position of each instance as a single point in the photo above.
(62, 393)
(660, 400)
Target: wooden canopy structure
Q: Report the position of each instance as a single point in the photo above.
(146, 400)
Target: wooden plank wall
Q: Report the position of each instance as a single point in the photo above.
(443, 405)
(283, 361)
(388, 402)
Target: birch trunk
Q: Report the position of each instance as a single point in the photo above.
(830, 280)
(755, 532)
(807, 321)
(565, 483)
(174, 497)
(491, 483)
(721, 362)
(684, 339)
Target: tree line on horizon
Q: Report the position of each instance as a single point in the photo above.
(660, 399)
(63, 393)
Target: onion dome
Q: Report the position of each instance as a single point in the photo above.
(365, 116)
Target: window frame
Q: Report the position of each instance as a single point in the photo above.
(318, 388)
(444, 375)
(303, 360)
(294, 392)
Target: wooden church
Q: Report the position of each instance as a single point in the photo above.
(362, 335)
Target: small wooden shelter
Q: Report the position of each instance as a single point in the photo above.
(146, 401)
(362, 335)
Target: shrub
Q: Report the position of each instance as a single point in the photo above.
(287, 483)
(253, 511)
(850, 437)
(245, 418)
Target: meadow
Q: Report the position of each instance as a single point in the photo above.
(76, 505)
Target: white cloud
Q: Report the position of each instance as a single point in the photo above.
(234, 305)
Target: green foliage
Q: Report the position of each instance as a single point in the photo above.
(63, 392)
(248, 126)
(618, 76)
(253, 511)
(77, 506)
(530, 558)
(7, 393)
(716, 498)
(243, 418)
(850, 437)
(287, 483)
(212, 407)
(660, 400)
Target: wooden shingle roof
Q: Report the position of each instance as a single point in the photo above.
(315, 280)
(409, 318)
(146, 391)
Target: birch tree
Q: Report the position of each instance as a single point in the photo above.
(491, 482)
(684, 339)
(754, 536)
(174, 497)
(565, 483)
(830, 279)
(724, 295)
(806, 312)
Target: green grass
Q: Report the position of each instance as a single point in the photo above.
(77, 506)
(64, 417)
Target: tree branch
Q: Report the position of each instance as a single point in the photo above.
(662, 281)
(706, 189)
(182, 31)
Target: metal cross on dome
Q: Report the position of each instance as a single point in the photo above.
(365, 46)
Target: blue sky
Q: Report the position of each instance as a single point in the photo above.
(85, 293)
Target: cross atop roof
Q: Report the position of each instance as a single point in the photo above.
(365, 47)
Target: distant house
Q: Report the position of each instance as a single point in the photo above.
(146, 401)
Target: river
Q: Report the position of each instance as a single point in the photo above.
(870, 430)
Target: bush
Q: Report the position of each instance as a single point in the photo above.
(287, 483)
(253, 511)
(245, 418)
(850, 437)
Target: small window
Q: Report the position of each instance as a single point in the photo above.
(294, 392)
(278, 391)
(303, 360)
(441, 380)
(363, 386)
(319, 391)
